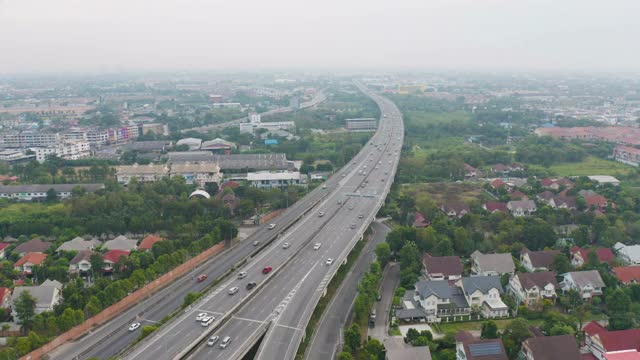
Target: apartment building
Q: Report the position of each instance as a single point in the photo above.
(627, 155)
(67, 151)
(27, 139)
(362, 124)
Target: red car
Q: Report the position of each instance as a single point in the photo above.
(202, 277)
(267, 269)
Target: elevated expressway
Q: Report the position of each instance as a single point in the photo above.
(283, 301)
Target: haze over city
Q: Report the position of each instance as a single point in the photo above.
(110, 36)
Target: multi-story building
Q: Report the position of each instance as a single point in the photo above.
(256, 123)
(67, 151)
(627, 155)
(98, 137)
(361, 124)
(27, 139)
(200, 173)
(143, 173)
(12, 157)
(269, 180)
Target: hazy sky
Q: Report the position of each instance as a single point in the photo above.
(113, 35)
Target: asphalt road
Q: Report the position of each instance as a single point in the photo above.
(390, 281)
(282, 307)
(113, 337)
(327, 336)
(318, 98)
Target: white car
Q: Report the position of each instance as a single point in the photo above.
(212, 340)
(233, 290)
(242, 275)
(256, 243)
(271, 226)
(329, 261)
(201, 316)
(360, 216)
(286, 245)
(317, 246)
(353, 226)
(350, 207)
(321, 214)
(134, 326)
(207, 321)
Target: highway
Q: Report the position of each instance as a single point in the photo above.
(318, 98)
(113, 337)
(327, 334)
(282, 308)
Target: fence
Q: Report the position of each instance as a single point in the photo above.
(117, 308)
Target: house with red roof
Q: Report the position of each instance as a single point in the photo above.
(3, 246)
(229, 184)
(442, 267)
(601, 342)
(5, 297)
(497, 184)
(147, 243)
(28, 261)
(596, 202)
(495, 206)
(579, 256)
(470, 172)
(550, 184)
(518, 195)
(420, 221)
(627, 274)
(111, 258)
(455, 209)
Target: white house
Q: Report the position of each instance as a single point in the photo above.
(483, 293)
(531, 288)
(81, 262)
(46, 297)
(587, 283)
(522, 207)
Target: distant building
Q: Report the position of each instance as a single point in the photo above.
(66, 151)
(158, 129)
(218, 145)
(13, 157)
(269, 180)
(522, 207)
(256, 123)
(192, 143)
(215, 98)
(39, 192)
(361, 124)
(604, 179)
(142, 173)
(27, 139)
(199, 173)
(627, 155)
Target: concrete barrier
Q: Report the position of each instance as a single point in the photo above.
(122, 305)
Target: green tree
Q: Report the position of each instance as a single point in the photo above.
(560, 329)
(383, 253)
(514, 334)
(489, 330)
(25, 307)
(375, 349)
(352, 337)
(52, 195)
(561, 264)
(190, 298)
(345, 356)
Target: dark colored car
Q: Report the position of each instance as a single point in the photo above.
(251, 285)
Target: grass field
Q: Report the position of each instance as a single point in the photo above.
(590, 166)
(477, 325)
(442, 192)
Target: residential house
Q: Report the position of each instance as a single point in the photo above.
(602, 342)
(470, 172)
(111, 257)
(629, 254)
(497, 184)
(495, 206)
(79, 244)
(504, 170)
(470, 348)
(596, 202)
(546, 197)
(518, 195)
(455, 209)
(121, 243)
(627, 274)
(46, 297)
(538, 260)
(28, 261)
(420, 221)
(492, 264)
(3, 246)
(565, 202)
(587, 283)
(483, 293)
(434, 301)
(522, 207)
(580, 256)
(532, 288)
(550, 184)
(5, 297)
(147, 243)
(81, 263)
(33, 245)
(561, 347)
(55, 283)
(627, 155)
(442, 267)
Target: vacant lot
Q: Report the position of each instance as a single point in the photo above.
(442, 192)
(590, 166)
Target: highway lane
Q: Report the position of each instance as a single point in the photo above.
(326, 337)
(112, 337)
(286, 325)
(318, 98)
(165, 343)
